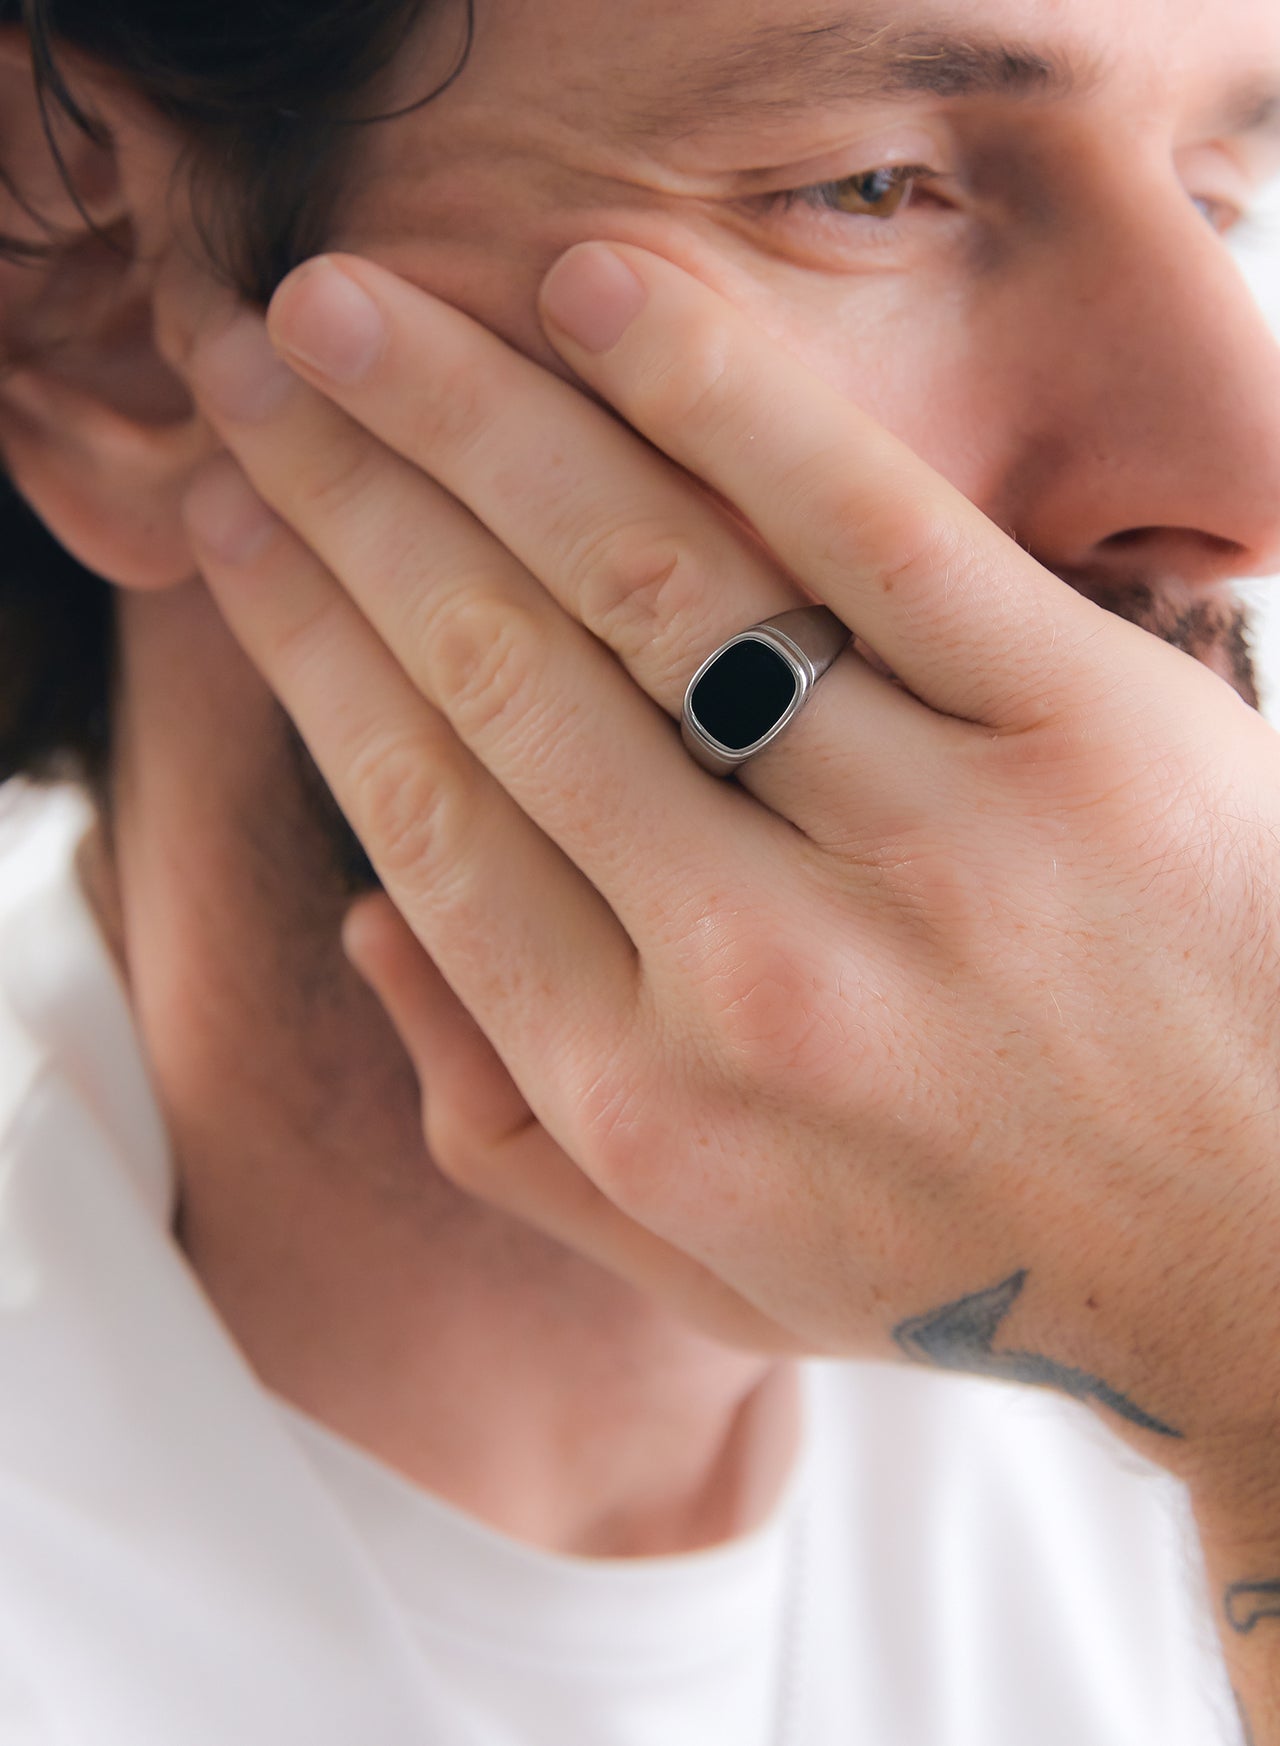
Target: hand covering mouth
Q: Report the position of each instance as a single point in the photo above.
(1210, 623)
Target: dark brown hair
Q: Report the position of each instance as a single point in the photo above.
(264, 93)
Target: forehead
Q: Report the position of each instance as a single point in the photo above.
(657, 59)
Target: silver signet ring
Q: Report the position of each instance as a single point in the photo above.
(754, 686)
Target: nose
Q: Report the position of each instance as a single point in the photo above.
(1153, 446)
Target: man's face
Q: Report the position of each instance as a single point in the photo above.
(1000, 227)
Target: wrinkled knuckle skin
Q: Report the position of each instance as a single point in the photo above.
(638, 590)
(410, 814)
(484, 657)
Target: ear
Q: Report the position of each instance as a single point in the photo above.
(97, 432)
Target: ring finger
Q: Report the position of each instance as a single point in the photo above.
(583, 753)
(629, 544)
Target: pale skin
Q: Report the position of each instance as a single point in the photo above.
(961, 983)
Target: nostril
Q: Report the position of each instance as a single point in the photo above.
(1125, 542)
(1211, 545)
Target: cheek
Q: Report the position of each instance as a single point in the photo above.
(936, 363)
(930, 359)
(938, 357)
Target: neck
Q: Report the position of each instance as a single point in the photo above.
(489, 1368)
(498, 1370)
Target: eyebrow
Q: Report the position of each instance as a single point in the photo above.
(778, 70)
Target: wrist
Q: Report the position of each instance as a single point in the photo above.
(1236, 1503)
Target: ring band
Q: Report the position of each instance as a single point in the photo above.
(750, 689)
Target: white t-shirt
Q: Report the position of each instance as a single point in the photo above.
(187, 1560)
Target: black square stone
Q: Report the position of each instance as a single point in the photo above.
(743, 693)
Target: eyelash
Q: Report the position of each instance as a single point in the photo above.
(824, 197)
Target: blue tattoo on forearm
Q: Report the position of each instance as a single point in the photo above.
(961, 1336)
(1246, 1603)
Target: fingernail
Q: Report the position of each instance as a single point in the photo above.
(322, 317)
(592, 296)
(238, 373)
(224, 513)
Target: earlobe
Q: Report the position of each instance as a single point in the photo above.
(96, 430)
(107, 484)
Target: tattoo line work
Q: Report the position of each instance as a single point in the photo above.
(1246, 1603)
(961, 1335)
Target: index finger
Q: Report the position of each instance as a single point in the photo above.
(972, 624)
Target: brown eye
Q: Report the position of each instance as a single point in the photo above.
(873, 194)
(876, 194)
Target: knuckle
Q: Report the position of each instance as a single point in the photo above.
(781, 1025)
(948, 901)
(622, 1131)
(612, 1118)
(485, 656)
(949, 897)
(410, 813)
(773, 995)
(1121, 787)
(638, 587)
(905, 546)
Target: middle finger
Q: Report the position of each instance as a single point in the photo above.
(539, 702)
(629, 544)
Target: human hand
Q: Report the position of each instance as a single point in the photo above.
(950, 1027)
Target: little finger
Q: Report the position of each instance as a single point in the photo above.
(527, 943)
(543, 706)
(484, 1137)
